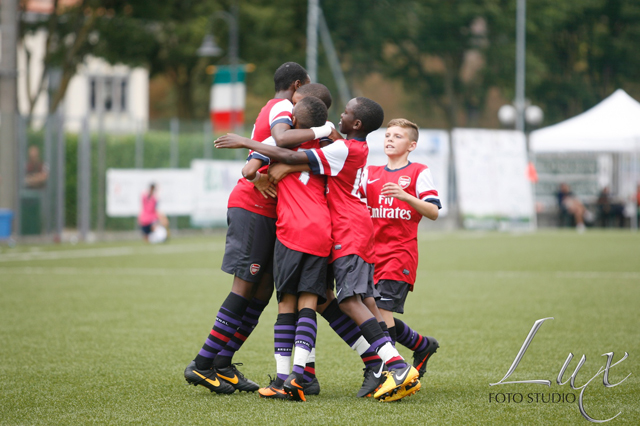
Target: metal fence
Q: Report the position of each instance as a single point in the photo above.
(62, 183)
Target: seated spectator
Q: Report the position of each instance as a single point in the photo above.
(37, 172)
(637, 203)
(609, 210)
(570, 206)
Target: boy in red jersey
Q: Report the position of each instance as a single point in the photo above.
(303, 245)
(352, 231)
(249, 245)
(399, 195)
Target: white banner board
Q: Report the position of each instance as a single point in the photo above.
(125, 187)
(491, 176)
(213, 181)
(432, 150)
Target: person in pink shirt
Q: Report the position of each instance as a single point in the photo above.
(149, 215)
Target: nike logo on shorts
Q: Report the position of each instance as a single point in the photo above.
(384, 299)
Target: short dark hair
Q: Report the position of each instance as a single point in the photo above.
(370, 113)
(310, 112)
(287, 74)
(318, 90)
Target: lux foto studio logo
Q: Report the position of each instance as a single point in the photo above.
(556, 397)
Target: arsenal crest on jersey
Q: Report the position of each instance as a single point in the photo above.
(404, 181)
(254, 268)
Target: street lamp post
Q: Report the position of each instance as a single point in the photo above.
(520, 63)
(208, 48)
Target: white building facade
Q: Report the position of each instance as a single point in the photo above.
(114, 97)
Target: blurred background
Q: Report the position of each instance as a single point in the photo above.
(528, 110)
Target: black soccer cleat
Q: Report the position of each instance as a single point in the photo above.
(293, 386)
(207, 378)
(372, 381)
(420, 358)
(273, 392)
(233, 376)
(312, 387)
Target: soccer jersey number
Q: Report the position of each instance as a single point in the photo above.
(304, 177)
(356, 184)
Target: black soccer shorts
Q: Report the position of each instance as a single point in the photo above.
(248, 252)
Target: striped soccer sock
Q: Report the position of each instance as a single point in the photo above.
(305, 340)
(248, 324)
(228, 320)
(410, 338)
(382, 344)
(284, 333)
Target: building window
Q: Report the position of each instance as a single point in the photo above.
(110, 92)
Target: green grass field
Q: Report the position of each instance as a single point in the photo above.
(100, 334)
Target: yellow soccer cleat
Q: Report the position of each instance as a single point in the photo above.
(395, 379)
(403, 391)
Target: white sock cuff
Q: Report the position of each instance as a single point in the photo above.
(361, 345)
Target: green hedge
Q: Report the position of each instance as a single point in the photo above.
(120, 152)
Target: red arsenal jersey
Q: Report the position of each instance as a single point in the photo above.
(304, 223)
(343, 162)
(244, 194)
(395, 222)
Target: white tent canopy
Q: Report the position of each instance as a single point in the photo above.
(613, 125)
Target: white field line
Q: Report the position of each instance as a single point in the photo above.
(629, 275)
(106, 252)
(110, 271)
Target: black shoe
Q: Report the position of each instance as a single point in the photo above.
(273, 392)
(372, 381)
(207, 378)
(420, 358)
(231, 375)
(293, 386)
(312, 387)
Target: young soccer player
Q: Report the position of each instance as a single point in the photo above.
(330, 310)
(399, 195)
(303, 244)
(352, 231)
(249, 246)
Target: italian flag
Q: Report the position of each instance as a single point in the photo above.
(227, 99)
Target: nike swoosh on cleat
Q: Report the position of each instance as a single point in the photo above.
(214, 382)
(371, 181)
(423, 361)
(233, 379)
(293, 383)
(273, 391)
(379, 373)
(403, 375)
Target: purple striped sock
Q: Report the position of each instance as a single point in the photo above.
(410, 338)
(248, 324)
(227, 322)
(305, 339)
(284, 333)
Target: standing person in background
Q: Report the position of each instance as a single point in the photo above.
(37, 172)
